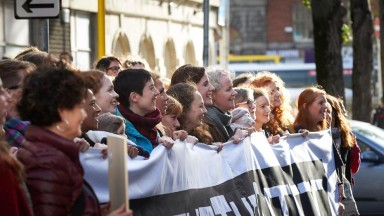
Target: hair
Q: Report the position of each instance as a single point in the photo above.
(257, 92)
(214, 75)
(7, 160)
(282, 115)
(104, 62)
(305, 99)
(174, 107)
(128, 81)
(341, 121)
(185, 94)
(47, 90)
(242, 78)
(110, 123)
(93, 80)
(66, 56)
(243, 94)
(27, 50)
(42, 59)
(133, 60)
(9, 71)
(187, 73)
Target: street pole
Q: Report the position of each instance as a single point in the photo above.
(100, 28)
(206, 33)
(224, 42)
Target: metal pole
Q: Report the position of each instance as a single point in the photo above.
(44, 35)
(100, 28)
(206, 33)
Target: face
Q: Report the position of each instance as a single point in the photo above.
(15, 93)
(171, 123)
(162, 99)
(113, 69)
(263, 110)
(3, 104)
(106, 97)
(250, 105)
(93, 112)
(318, 109)
(224, 98)
(194, 117)
(205, 88)
(121, 130)
(274, 94)
(147, 101)
(74, 118)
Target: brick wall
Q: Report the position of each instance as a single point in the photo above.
(59, 36)
(279, 16)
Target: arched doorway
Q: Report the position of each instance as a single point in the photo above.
(120, 44)
(170, 61)
(147, 51)
(190, 56)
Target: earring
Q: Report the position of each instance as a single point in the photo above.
(58, 127)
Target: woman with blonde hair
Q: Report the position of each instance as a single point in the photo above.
(281, 111)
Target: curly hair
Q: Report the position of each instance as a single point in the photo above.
(281, 118)
(93, 80)
(47, 90)
(185, 94)
(341, 122)
(187, 73)
(305, 99)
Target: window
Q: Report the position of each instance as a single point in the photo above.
(302, 23)
(81, 39)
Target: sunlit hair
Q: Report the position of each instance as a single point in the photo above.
(305, 99)
(242, 79)
(185, 94)
(341, 121)
(174, 107)
(281, 118)
(93, 80)
(257, 92)
(243, 95)
(214, 75)
(187, 73)
(9, 71)
(135, 62)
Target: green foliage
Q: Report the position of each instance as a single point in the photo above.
(306, 3)
(346, 34)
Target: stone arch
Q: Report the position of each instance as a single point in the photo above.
(190, 56)
(147, 51)
(170, 61)
(120, 44)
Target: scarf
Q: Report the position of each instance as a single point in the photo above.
(144, 124)
(15, 130)
(222, 121)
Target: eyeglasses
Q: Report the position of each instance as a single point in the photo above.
(115, 68)
(249, 103)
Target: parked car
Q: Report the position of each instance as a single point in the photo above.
(369, 180)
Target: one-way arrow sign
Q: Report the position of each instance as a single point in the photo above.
(29, 9)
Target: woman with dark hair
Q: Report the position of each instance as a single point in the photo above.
(189, 73)
(110, 65)
(12, 194)
(53, 101)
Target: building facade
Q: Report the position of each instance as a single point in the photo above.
(165, 33)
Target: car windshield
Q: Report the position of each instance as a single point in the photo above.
(370, 131)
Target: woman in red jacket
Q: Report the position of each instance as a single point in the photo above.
(12, 193)
(53, 101)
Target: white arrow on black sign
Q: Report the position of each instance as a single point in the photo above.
(29, 9)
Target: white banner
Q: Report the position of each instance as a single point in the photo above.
(295, 177)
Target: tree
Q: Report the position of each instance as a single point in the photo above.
(327, 24)
(362, 60)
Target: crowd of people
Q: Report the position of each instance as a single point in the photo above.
(50, 112)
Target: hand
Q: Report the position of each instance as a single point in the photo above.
(341, 209)
(219, 146)
(239, 136)
(192, 139)
(180, 134)
(274, 139)
(121, 212)
(167, 142)
(132, 151)
(13, 151)
(304, 132)
(84, 145)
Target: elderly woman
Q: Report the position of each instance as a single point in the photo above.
(53, 101)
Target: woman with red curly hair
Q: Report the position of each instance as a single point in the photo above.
(281, 111)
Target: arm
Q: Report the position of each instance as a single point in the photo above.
(355, 158)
